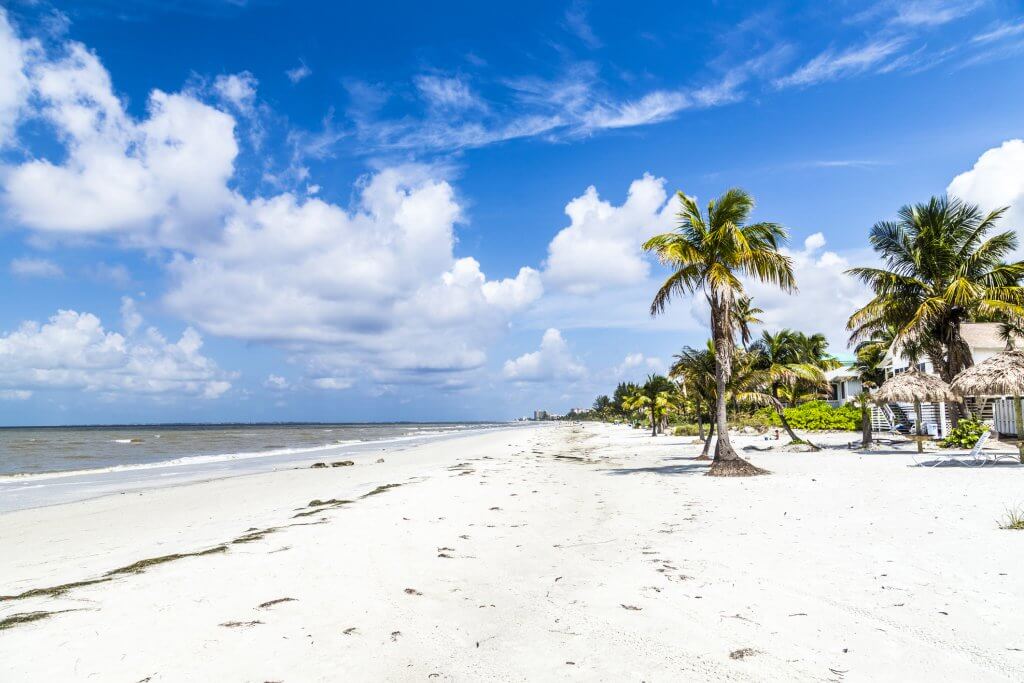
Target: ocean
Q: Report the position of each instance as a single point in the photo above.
(40, 450)
(53, 465)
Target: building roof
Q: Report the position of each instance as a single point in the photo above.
(840, 374)
(982, 336)
(978, 336)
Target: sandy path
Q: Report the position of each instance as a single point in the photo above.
(498, 560)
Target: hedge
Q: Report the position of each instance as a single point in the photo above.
(817, 415)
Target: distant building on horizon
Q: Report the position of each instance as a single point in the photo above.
(540, 415)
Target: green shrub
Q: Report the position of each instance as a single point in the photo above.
(686, 429)
(816, 415)
(756, 420)
(965, 434)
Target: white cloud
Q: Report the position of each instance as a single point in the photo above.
(35, 267)
(932, 12)
(342, 288)
(15, 395)
(299, 73)
(166, 174)
(553, 361)
(276, 382)
(576, 22)
(1006, 30)
(73, 351)
(14, 84)
(826, 296)
(239, 90)
(332, 383)
(446, 92)
(131, 319)
(996, 180)
(831, 65)
(601, 247)
(635, 362)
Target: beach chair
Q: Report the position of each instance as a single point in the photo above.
(966, 459)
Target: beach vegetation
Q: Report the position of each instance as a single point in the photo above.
(965, 434)
(711, 252)
(943, 265)
(815, 416)
(1013, 519)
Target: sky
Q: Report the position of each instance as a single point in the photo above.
(264, 211)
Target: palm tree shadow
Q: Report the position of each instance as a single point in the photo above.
(690, 468)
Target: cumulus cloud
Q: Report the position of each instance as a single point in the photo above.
(73, 351)
(166, 173)
(996, 180)
(239, 90)
(299, 73)
(14, 84)
(601, 247)
(379, 281)
(552, 361)
(638, 362)
(826, 298)
(35, 267)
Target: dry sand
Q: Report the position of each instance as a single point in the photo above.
(553, 552)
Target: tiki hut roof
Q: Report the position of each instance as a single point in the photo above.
(1000, 375)
(913, 384)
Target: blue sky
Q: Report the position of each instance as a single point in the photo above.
(307, 211)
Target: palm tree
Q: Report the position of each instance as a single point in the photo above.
(790, 358)
(648, 398)
(710, 253)
(745, 315)
(697, 368)
(941, 269)
(868, 368)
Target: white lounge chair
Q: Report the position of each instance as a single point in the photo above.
(967, 459)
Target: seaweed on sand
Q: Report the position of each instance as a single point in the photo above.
(143, 565)
(28, 617)
(52, 591)
(380, 489)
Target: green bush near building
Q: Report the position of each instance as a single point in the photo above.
(816, 415)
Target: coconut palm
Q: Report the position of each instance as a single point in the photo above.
(790, 358)
(941, 268)
(709, 252)
(696, 367)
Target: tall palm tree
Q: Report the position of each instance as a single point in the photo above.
(789, 358)
(709, 252)
(941, 269)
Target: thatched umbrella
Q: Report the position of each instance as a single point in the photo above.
(1000, 375)
(914, 385)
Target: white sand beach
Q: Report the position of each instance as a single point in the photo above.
(551, 552)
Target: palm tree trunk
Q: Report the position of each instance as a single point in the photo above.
(700, 423)
(1017, 423)
(865, 421)
(654, 423)
(727, 463)
(707, 444)
(789, 430)
(917, 414)
(785, 423)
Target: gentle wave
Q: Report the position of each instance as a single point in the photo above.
(223, 457)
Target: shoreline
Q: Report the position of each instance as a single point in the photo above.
(25, 489)
(556, 551)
